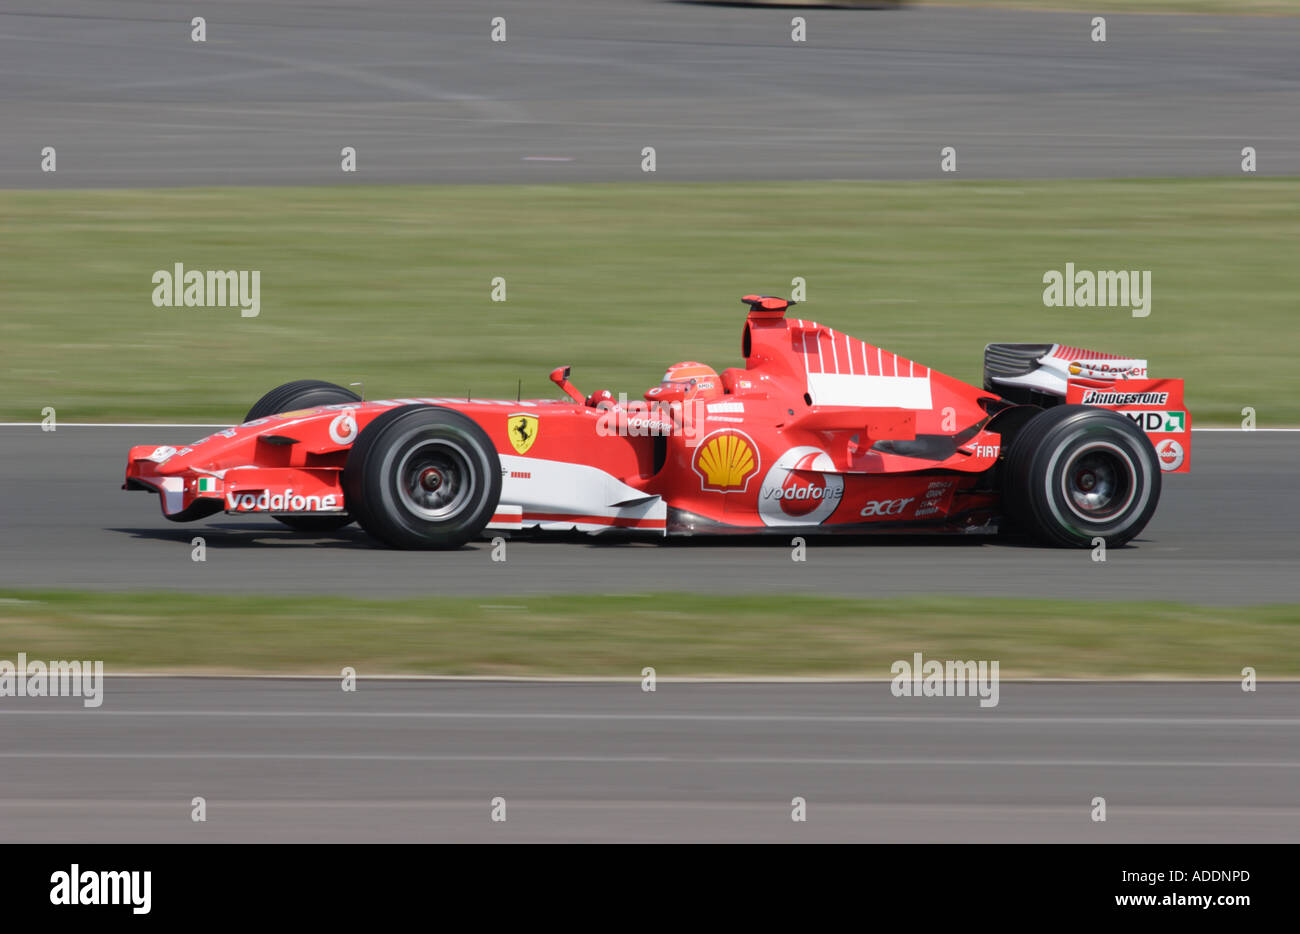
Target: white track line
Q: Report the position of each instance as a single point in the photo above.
(688, 717)
(664, 759)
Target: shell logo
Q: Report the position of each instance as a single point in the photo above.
(725, 460)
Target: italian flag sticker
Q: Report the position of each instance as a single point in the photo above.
(207, 484)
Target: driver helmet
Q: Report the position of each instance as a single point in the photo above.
(602, 399)
(686, 380)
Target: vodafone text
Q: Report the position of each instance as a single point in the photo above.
(288, 501)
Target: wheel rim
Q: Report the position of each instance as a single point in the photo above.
(1098, 482)
(435, 480)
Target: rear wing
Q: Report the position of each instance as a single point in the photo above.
(1042, 373)
(1155, 405)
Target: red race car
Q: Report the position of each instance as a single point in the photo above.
(818, 433)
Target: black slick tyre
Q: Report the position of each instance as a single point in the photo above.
(1077, 473)
(421, 476)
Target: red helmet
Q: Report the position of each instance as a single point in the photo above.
(686, 380)
(602, 399)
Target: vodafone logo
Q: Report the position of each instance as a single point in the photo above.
(803, 489)
(343, 429)
(286, 501)
(797, 491)
(1170, 454)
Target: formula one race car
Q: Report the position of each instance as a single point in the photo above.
(818, 433)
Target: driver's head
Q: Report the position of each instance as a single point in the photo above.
(686, 380)
(601, 399)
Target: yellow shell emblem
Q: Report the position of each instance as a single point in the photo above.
(725, 460)
(522, 430)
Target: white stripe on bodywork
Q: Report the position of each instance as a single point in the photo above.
(905, 392)
(448, 400)
(575, 489)
(507, 517)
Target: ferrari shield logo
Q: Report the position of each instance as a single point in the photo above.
(522, 430)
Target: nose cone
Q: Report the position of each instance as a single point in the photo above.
(201, 454)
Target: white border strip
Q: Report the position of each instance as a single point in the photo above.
(1244, 431)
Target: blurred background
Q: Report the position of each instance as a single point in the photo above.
(788, 142)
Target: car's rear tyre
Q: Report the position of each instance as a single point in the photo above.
(304, 394)
(1076, 473)
(421, 476)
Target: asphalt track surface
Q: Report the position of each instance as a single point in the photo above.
(1223, 534)
(581, 86)
(422, 760)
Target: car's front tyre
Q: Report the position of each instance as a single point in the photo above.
(421, 476)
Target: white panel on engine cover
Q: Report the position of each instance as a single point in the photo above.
(904, 392)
